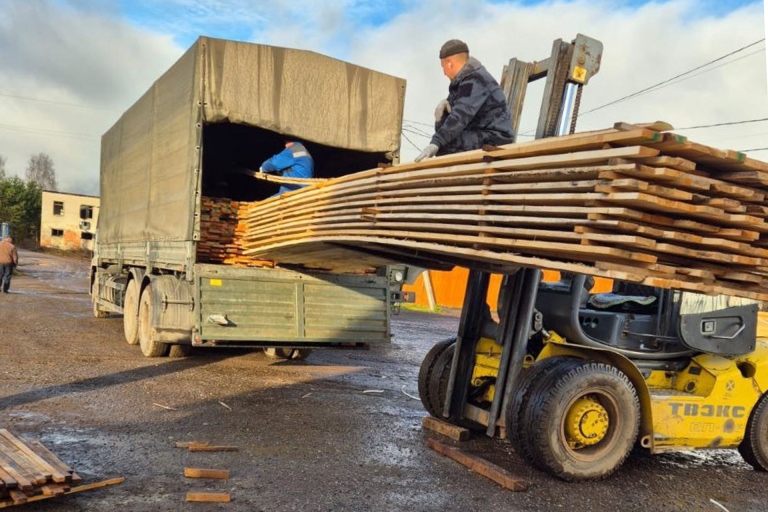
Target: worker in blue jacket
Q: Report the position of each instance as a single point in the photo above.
(292, 162)
(476, 111)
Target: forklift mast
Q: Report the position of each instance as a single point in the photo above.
(568, 68)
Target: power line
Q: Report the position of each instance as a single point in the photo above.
(731, 123)
(753, 149)
(655, 86)
(53, 102)
(25, 129)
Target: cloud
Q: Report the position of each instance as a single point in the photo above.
(89, 60)
(66, 75)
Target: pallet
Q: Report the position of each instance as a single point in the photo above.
(30, 472)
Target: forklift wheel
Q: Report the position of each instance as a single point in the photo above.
(586, 421)
(425, 374)
(754, 447)
(518, 412)
(438, 381)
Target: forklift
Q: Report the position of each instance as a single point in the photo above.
(574, 380)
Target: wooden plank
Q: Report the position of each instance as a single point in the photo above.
(449, 430)
(73, 490)
(216, 474)
(491, 471)
(46, 469)
(210, 497)
(211, 448)
(50, 458)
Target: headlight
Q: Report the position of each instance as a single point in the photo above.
(397, 276)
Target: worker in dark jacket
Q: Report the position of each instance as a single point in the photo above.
(9, 258)
(476, 111)
(292, 162)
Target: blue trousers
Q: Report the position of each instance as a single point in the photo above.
(5, 277)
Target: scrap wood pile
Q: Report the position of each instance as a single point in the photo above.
(631, 202)
(30, 472)
(221, 229)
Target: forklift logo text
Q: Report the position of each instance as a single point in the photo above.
(708, 411)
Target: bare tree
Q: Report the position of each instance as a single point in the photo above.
(40, 170)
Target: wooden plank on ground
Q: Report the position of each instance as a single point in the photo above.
(216, 474)
(489, 470)
(449, 430)
(210, 497)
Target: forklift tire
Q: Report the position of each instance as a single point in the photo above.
(131, 313)
(754, 447)
(425, 373)
(584, 422)
(149, 347)
(517, 423)
(438, 381)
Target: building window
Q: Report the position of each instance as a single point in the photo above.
(86, 211)
(58, 208)
(57, 232)
(86, 236)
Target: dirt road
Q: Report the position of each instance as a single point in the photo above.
(335, 433)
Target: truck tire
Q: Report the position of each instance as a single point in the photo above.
(179, 350)
(149, 346)
(518, 425)
(278, 352)
(299, 354)
(425, 373)
(98, 313)
(131, 313)
(584, 422)
(754, 447)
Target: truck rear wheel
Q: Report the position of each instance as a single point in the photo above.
(425, 374)
(149, 346)
(131, 312)
(584, 422)
(278, 352)
(754, 447)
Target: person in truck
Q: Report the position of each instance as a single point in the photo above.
(9, 258)
(476, 111)
(292, 162)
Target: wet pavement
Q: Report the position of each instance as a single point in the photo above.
(339, 431)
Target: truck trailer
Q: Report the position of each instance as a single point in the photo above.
(222, 109)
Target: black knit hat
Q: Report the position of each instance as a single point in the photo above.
(453, 47)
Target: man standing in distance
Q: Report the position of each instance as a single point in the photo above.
(476, 111)
(9, 258)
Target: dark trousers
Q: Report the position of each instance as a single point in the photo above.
(5, 276)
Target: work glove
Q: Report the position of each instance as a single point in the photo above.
(443, 108)
(428, 152)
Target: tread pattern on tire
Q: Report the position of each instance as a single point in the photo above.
(754, 446)
(516, 421)
(149, 347)
(543, 406)
(425, 374)
(131, 313)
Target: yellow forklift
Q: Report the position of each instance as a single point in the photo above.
(574, 380)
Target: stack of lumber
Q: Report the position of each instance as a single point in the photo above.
(631, 202)
(221, 232)
(29, 470)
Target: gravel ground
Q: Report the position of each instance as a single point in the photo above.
(311, 435)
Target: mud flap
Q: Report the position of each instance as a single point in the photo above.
(730, 331)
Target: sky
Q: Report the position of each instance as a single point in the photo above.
(70, 68)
